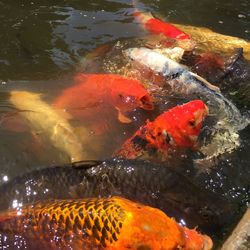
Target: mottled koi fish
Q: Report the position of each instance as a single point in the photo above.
(178, 127)
(92, 93)
(111, 223)
(156, 26)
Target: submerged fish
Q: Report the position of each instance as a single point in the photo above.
(47, 121)
(111, 223)
(95, 94)
(178, 127)
(152, 184)
(209, 40)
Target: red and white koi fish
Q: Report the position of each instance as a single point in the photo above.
(178, 127)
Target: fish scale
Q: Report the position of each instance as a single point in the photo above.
(100, 221)
(109, 223)
(142, 181)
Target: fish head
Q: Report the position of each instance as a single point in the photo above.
(150, 228)
(182, 124)
(129, 94)
(194, 240)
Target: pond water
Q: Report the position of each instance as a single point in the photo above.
(41, 49)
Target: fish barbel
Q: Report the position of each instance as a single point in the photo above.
(152, 184)
(180, 80)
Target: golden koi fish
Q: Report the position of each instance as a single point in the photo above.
(109, 223)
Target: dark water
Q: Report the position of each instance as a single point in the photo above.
(44, 41)
(42, 44)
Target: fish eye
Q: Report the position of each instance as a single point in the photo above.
(127, 98)
(191, 123)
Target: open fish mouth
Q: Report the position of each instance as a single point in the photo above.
(146, 103)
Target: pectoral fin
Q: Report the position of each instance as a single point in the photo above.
(205, 82)
(122, 118)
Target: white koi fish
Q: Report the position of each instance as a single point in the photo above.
(47, 120)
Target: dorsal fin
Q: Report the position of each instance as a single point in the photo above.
(85, 164)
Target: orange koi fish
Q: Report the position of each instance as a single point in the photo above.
(107, 223)
(93, 93)
(178, 127)
(156, 26)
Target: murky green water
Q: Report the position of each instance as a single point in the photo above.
(42, 44)
(44, 41)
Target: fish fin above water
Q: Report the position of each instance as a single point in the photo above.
(85, 164)
(205, 82)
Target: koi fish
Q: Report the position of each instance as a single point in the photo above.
(49, 122)
(92, 93)
(178, 79)
(178, 127)
(143, 181)
(208, 40)
(111, 223)
(157, 26)
(209, 63)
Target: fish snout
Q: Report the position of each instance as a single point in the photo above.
(146, 102)
(207, 243)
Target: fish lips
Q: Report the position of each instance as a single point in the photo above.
(146, 103)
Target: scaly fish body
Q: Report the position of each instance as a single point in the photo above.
(44, 119)
(152, 184)
(93, 94)
(111, 223)
(178, 127)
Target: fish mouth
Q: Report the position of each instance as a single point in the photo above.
(193, 138)
(200, 115)
(207, 243)
(146, 103)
